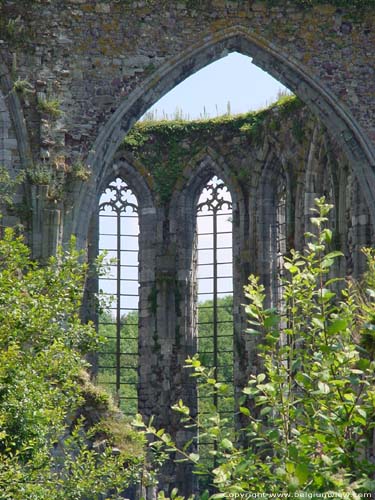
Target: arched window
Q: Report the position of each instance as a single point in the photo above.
(118, 237)
(215, 297)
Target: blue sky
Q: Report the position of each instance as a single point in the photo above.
(233, 78)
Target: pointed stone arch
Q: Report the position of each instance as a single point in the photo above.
(129, 169)
(267, 56)
(200, 169)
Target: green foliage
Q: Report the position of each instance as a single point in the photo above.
(45, 452)
(50, 107)
(8, 186)
(80, 171)
(311, 409)
(22, 86)
(40, 174)
(169, 152)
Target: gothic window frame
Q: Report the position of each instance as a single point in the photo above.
(119, 193)
(206, 164)
(122, 168)
(214, 193)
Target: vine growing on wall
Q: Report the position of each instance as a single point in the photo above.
(166, 147)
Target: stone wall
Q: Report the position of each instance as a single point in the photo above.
(167, 164)
(75, 75)
(103, 63)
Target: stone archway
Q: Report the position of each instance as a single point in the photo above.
(269, 57)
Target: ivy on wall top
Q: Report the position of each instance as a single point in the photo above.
(165, 148)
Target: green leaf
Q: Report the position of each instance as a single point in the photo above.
(265, 411)
(333, 255)
(363, 364)
(326, 295)
(338, 325)
(349, 396)
(252, 332)
(291, 267)
(226, 444)
(318, 322)
(323, 387)
(327, 460)
(245, 411)
(302, 473)
(290, 467)
(271, 321)
(362, 412)
(194, 457)
(327, 236)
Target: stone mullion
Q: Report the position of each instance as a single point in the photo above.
(147, 365)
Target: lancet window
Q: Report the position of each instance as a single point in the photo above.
(118, 323)
(215, 297)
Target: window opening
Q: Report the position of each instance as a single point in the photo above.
(118, 236)
(215, 299)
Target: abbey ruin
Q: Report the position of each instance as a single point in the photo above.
(75, 77)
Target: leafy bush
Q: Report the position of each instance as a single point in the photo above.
(311, 410)
(45, 452)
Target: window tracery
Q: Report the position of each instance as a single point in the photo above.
(118, 237)
(215, 297)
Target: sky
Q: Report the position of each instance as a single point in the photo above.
(233, 79)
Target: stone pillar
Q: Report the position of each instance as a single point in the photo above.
(166, 338)
(244, 263)
(362, 232)
(46, 224)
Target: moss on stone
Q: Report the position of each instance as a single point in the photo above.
(166, 147)
(105, 424)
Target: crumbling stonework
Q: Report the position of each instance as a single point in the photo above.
(75, 75)
(102, 64)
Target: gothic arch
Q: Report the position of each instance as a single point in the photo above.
(201, 168)
(127, 169)
(266, 55)
(148, 219)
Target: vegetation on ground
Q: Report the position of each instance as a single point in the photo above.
(47, 448)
